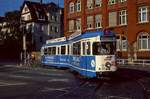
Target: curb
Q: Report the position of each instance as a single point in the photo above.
(136, 67)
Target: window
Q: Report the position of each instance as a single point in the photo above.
(68, 49)
(76, 48)
(71, 7)
(52, 50)
(45, 51)
(63, 50)
(56, 18)
(123, 17)
(51, 28)
(41, 27)
(89, 22)
(86, 48)
(78, 5)
(144, 41)
(41, 17)
(122, 1)
(103, 48)
(71, 25)
(122, 43)
(112, 19)
(98, 3)
(118, 43)
(26, 9)
(41, 39)
(110, 2)
(98, 19)
(78, 24)
(29, 17)
(52, 17)
(90, 4)
(143, 14)
(56, 29)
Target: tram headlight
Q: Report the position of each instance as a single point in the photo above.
(108, 65)
(113, 68)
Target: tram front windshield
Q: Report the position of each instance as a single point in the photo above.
(104, 48)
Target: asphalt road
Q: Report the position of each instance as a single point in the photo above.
(53, 83)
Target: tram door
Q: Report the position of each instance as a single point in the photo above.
(86, 51)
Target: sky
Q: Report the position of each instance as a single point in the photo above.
(11, 5)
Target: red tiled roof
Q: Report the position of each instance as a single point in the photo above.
(2, 19)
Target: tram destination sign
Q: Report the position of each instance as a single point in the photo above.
(56, 40)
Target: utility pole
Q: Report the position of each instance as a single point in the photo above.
(24, 48)
(24, 43)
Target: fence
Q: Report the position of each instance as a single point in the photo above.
(143, 62)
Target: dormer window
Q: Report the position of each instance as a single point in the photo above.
(26, 9)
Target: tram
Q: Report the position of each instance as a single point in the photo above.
(91, 54)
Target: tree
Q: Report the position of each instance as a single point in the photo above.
(12, 37)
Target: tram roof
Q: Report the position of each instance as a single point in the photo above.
(92, 34)
(56, 43)
(82, 36)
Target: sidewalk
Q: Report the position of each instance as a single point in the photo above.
(136, 67)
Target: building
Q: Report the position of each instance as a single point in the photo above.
(40, 22)
(130, 19)
(1, 22)
(2, 19)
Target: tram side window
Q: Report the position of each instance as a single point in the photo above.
(86, 48)
(68, 49)
(49, 50)
(76, 48)
(63, 50)
(45, 51)
(96, 48)
(52, 50)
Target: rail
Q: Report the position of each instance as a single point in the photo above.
(143, 62)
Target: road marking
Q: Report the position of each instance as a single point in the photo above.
(19, 76)
(117, 97)
(62, 80)
(11, 84)
(56, 89)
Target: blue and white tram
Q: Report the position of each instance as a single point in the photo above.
(90, 54)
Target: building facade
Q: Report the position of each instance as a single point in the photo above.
(2, 20)
(41, 22)
(129, 19)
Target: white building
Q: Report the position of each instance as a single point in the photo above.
(41, 22)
